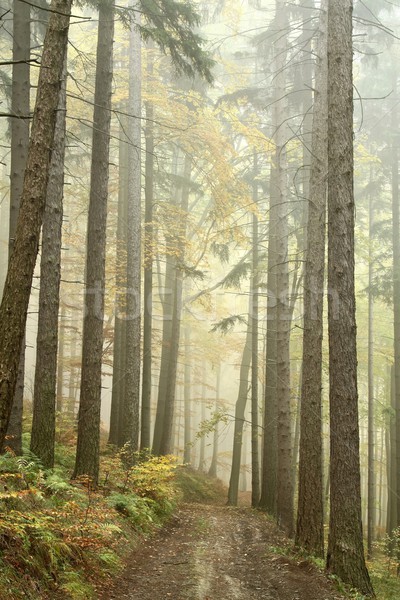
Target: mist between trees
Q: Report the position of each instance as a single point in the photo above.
(213, 193)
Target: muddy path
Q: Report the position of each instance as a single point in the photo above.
(218, 553)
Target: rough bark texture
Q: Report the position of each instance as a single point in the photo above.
(87, 455)
(284, 438)
(14, 306)
(44, 397)
(131, 428)
(345, 548)
(20, 92)
(310, 515)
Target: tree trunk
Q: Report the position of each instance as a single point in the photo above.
(20, 93)
(44, 398)
(371, 516)
(392, 460)
(187, 441)
(60, 360)
(148, 267)
(87, 455)
(119, 350)
(396, 293)
(255, 463)
(17, 288)
(284, 438)
(131, 428)
(345, 549)
(310, 514)
(165, 443)
(240, 418)
(269, 453)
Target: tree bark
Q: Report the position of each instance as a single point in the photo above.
(345, 548)
(255, 433)
(131, 428)
(165, 443)
(371, 509)
(148, 266)
(269, 448)
(187, 439)
(87, 455)
(283, 320)
(240, 409)
(20, 94)
(119, 349)
(44, 397)
(17, 288)
(310, 514)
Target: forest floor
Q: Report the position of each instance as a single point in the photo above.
(212, 552)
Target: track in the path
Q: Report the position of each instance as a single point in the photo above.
(218, 553)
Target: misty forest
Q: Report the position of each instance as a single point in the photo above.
(200, 299)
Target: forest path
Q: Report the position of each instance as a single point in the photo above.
(209, 552)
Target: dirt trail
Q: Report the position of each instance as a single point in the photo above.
(218, 553)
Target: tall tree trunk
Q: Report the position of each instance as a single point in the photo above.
(20, 92)
(240, 409)
(392, 460)
(167, 309)
(44, 397)
(88, 444)
(371, 517)
(148, 266)
(269, 449)
(310, 514)
(255, 463)
(131, 427)
(17, 288)
(165, 442)
(345, 548)
(284, 443)
(119, 349)
(187, 440)
(396, 292)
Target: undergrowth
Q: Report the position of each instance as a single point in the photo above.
(59, 538)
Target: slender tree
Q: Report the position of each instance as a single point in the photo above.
(131, 418)
(88, 443)
(283, 316)
(345, 527)
(310, 519)
(17, 288)
(255, 466)
(20, 93)
(44, 395)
